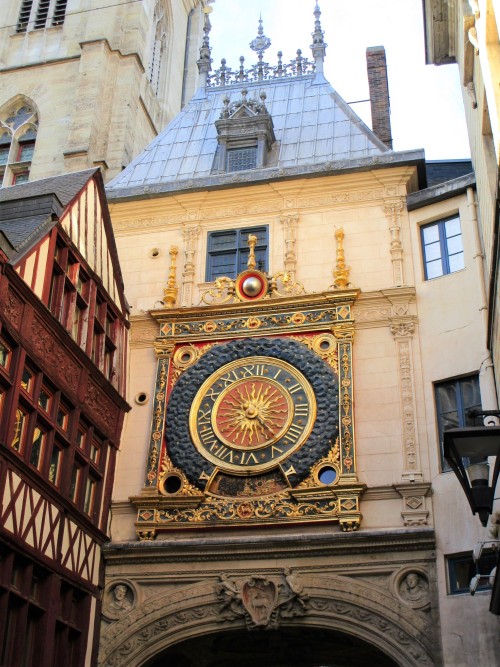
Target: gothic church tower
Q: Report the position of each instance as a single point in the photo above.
(84, 83)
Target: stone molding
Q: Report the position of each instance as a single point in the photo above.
(272, 205)
(373, 614)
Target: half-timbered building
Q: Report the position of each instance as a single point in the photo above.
(63, 337)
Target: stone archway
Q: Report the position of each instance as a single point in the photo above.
(351, 607)
(286, 647)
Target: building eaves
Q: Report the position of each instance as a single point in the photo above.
(243, 178)
(440, 192)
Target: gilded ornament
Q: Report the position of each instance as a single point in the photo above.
(172, 289)
(341, 271)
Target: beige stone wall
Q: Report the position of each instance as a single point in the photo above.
(89, 80)
(409, 334)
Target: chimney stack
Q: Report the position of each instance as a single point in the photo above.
(379, 93)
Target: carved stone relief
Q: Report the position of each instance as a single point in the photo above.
(393, 209)
(190, 235)
(119, 599)
(290, 222)
(261, 601)
(391, 620)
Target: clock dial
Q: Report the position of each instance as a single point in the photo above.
(254, 407)
(251, 414)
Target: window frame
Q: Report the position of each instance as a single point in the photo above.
(461, 409)
(40, 15)
(486, 563)
(444, 251)
(239, 250)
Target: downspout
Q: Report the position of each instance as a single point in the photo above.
(489, 398)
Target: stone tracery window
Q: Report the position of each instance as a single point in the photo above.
(40, 14)
(18, 130)
(158, 47)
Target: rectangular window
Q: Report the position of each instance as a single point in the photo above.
(55, 465)
(454, 399)
(59, 12)
(228, 251)
(239, 159)
(42, 13)
(26, 150)
(20, 421)
(442, 247)
(24, 15)
(461, 569)
(37, 448)
(21, 177)
(5, 354)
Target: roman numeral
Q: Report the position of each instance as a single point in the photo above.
(301, 409)
(293, 433)
(296, 387)
(247, 458)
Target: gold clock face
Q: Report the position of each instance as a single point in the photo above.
(251, 414)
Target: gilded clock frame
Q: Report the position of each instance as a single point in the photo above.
(310, 318)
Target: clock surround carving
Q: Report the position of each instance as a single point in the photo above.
(175, 497)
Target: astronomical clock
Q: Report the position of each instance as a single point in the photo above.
(253, 416)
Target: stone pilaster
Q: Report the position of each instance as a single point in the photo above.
(393, 209)
(290, 222)
(190, 236)
(402, 328)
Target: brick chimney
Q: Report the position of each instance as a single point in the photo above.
(379, 93)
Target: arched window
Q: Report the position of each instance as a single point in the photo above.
(40, 14)
(158, 47)
(18, 128)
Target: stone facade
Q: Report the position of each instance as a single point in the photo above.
(98, 80)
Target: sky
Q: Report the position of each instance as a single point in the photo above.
(426, 100)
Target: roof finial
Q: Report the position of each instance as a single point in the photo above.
(205, 62)
(318, 47)
(261, 42)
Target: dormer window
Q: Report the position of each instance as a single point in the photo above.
(245, 135)
(239, 159)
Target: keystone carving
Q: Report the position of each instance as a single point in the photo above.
(261, 601)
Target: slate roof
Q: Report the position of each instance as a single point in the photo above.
(316, 131)
(29, 210)
(440, 171)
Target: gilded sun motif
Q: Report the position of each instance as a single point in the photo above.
(252, 413)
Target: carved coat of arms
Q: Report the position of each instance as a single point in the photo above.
(262, 601)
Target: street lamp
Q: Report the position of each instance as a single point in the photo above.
(470, 451)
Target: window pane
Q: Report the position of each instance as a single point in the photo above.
(471, 397)
(452, 227)
(62, 418)
(456, 262)
(447, 396)
(434, 269)
(4, 154)
(75, 479)
(88, 503)
(242, 158)
(36, 456)
(27, 380)
(432, 251)
(454, 245)
(26, 151)
(45, 399)
(449, 420)
(430, 234)
(4, 354)
(54, 465)
(259, 232)
(19, 429)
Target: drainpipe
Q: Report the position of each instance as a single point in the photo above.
(486, 372)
